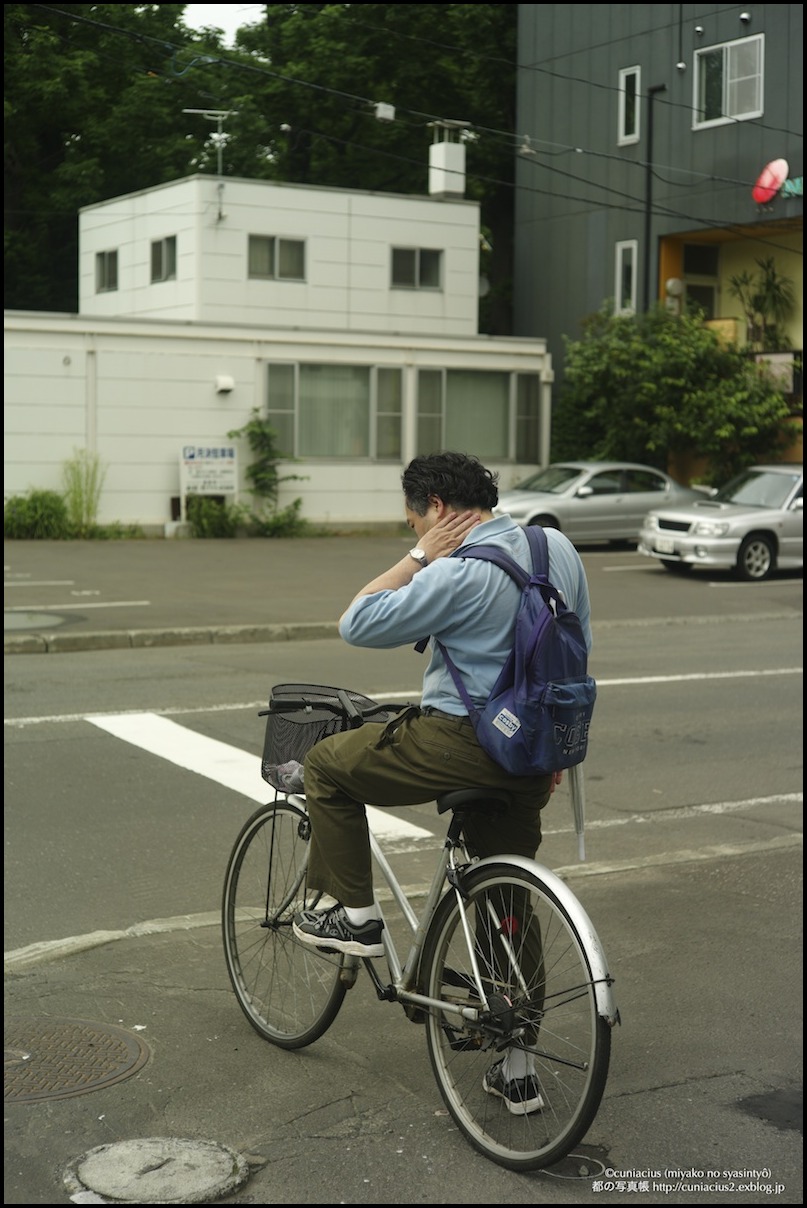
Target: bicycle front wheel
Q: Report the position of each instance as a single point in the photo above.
(289, 992)
(534, 971)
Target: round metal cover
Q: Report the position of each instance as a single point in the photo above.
(157, 1170)
(59, 1058)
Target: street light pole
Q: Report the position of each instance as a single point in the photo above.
(648, 199)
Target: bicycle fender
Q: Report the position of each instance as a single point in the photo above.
(595, 954)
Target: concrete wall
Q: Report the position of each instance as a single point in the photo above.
(134, 392)
(348, 236)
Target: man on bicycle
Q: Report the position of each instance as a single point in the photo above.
(471, 607)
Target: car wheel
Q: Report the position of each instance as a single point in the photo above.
(545, 522)
(757, 558)
(678, 568)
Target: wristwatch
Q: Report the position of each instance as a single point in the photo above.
(419, 556)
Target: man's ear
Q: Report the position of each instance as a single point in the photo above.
(437, 503)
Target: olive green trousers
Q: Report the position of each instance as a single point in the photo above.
(409, 761)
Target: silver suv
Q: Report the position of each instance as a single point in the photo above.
(754, 525)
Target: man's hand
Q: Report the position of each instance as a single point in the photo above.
(447, 533)
(442, 538)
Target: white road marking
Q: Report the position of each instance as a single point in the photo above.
(83, 606)
(413, 696)
(218, 761)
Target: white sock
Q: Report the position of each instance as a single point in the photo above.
(517, 1064)
(361, 914)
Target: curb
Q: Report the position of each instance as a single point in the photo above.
(138, 639)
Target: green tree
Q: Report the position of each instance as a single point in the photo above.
(658, 386)
(95, 95)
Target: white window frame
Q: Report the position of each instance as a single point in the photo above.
(286, 416)
(521, 417)
(730, 83)
(164, 259)
(106, 272)
(275, 248)
(626, 137)
(418, 254)
(626, 253)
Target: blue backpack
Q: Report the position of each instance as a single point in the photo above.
(536, 719)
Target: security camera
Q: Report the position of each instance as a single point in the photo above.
(745, 18)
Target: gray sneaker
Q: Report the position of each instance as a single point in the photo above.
(331, 931)
(521, 1095)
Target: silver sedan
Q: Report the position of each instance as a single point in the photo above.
(593, 500)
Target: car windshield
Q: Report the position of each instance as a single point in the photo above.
(550, 479)
(757, 489)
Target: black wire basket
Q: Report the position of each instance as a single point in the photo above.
(300, 715)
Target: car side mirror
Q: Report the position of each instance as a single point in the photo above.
(584, 492)
(798, 504)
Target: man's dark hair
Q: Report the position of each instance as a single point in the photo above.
(457, 478)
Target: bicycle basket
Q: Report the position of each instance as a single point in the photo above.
(292, 729)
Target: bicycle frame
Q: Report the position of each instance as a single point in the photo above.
(404, 976)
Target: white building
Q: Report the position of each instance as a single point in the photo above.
(348, 318)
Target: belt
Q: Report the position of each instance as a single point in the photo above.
(430, 711)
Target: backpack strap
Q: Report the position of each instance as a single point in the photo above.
(540, 550)
(488, 553)
(492, 553)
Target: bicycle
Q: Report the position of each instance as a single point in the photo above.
(501, 955)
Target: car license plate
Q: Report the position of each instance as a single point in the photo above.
(664, 545)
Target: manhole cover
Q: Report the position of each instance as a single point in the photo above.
(20, 618)
(60, 1058)
(157, 1170)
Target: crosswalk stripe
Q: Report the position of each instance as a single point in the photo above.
(226, 765)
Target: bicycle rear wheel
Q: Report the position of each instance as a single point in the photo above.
(540, 987)
(289, 992)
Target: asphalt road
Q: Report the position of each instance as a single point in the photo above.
(115, 855)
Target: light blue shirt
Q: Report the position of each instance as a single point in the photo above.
(471, 606)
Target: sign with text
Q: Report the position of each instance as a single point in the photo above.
(207, 469)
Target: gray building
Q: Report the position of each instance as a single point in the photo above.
(645, 133)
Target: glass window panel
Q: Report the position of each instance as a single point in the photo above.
(430, 391)
(428, 435)
(281, 387)
(477, 412)
(388, 437)
(261, 256)
(430, 269)
(701, 259)
(710, 85)
(334, 411)
(389, 390)
(106, 272)
(404, 266)
(291, 259)
(528, 405)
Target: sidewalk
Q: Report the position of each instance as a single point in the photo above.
(93, 595)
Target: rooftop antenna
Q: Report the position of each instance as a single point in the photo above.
(218, 116)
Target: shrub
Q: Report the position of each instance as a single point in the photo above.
(285, 523)
(38, 515)
(209, 517)
(83, 480)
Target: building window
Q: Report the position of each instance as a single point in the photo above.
(494, 414)
(106, 272)
(164, 259)
(630, 80)
(701, 265)
(270, 258)
(416, 268)
(728, 82)
(348, 411)
(627, 254)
